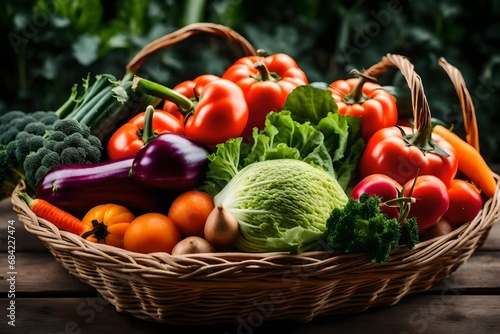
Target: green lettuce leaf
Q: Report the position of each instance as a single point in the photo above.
(308, 128)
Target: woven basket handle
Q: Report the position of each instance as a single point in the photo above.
(421, 110)
(182, 34)
(468, 110)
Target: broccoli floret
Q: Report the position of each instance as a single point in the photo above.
(360, 227)
(32, 162)
(36, 128)
(13, 122)
(10, 174)
(9, 130)
(86, 131)
(93, 154)
(72, 155)
(57, 135)
(51, 159)
(74, 139)
(68, 126)
(10, 116)
(95, 142)
(45, 117)
(27, 143)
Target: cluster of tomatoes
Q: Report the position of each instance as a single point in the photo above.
(404, 161)
(117, 226)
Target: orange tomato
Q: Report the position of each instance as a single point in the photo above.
(107, 224)
(190, 210)
(151, 232)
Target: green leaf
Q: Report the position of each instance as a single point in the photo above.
(282, 137)
(225, 162)
(310, 104)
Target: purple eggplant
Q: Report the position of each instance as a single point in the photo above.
(77, 188)
(171, 162)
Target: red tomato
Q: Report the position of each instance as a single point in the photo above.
(388, 152)
(130, 137)
(190, 210)
(432, 200)
(384, 187)
(151, 232)
(465, 203)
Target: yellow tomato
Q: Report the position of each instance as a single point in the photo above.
(107, 224)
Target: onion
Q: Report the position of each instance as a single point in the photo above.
(221, 228)
(192, 245)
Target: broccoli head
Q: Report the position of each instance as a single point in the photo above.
(10, 173)
(13, 122)
(66, 142)
(360, 227)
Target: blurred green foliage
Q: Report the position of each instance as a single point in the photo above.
(50, 45)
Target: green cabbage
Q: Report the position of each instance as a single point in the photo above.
(281, 205)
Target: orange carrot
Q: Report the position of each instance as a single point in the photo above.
(60, 218)
(470, 162)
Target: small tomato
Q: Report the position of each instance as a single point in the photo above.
(397, 152)
(190, 210)
(465, 202)
(151, 232)
(107, 224)
(139, 130)
(431, 200)
(381, 185)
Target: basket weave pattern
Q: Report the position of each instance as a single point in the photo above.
(224, 287)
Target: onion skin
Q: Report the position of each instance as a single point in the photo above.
(192, 245)
(221, 228)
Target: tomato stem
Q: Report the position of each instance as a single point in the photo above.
(155, 89)
(99, 230)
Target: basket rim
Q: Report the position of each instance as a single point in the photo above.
(219, 264)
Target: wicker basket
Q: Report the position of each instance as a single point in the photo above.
(235, 287)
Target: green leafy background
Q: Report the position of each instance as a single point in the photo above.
(50, 45)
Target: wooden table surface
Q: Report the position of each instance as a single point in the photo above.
(50, 300)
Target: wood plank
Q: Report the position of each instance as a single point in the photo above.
(493, 240)
(25, 241)
(418, 314)
(40, 273)
(480, 274)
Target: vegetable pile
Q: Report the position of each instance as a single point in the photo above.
(255, 160)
